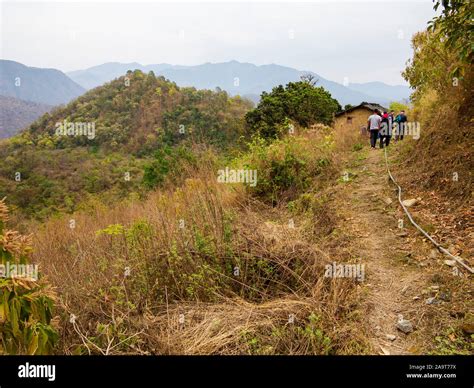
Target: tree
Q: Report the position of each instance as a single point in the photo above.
(300, 102)
(397, 106)
(454, 28)
(309, 78)
(423, 72)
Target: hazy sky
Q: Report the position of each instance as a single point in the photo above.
(364, 41)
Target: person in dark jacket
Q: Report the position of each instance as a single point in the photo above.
(401, 120)
(385, 130)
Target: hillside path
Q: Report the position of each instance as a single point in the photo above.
(368, 207)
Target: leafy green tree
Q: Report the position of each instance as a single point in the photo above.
(397, 106)
(443, 54)
(271, 111)
(300, 102)
(455, 28)
(423, 72)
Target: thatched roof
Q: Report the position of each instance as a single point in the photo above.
(364, 105)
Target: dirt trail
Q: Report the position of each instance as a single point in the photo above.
(390, 284)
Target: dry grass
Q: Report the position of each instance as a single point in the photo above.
(425, 168)
(445, 144)
(159, 277)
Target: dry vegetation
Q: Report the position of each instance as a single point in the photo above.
(447, 135)
(437, 168)
(205, 268)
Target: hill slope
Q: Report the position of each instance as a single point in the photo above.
(16, 114)
(139, 110)
(140, 125)
(44, 86)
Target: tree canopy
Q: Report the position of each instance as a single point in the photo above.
(444, 52)
(300, 102)
(455, 29)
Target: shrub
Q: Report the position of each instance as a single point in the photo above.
(287, 167)
(26, 305)
(167, 160)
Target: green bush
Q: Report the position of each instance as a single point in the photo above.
(26, 305)
(167, 160)
(286, 167)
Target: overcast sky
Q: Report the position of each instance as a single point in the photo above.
(363, 41)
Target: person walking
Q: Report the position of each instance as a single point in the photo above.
(373, 123)
(402, 124)
(384, 131)
(391, 120)
(397, 126)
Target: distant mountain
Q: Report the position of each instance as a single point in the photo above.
(245, 79)
(44, 86)
(98, 75)
(381, 90)
(16, 114)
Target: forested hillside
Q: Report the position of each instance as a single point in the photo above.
(124, 138)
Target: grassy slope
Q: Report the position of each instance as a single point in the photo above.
(183, 246)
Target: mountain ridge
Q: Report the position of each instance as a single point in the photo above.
(242, 78)
(40, 85)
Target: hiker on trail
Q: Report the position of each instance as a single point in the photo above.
(373, 124)
(384, 131)
(397, 127)
(391, 119)
(401, 119)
